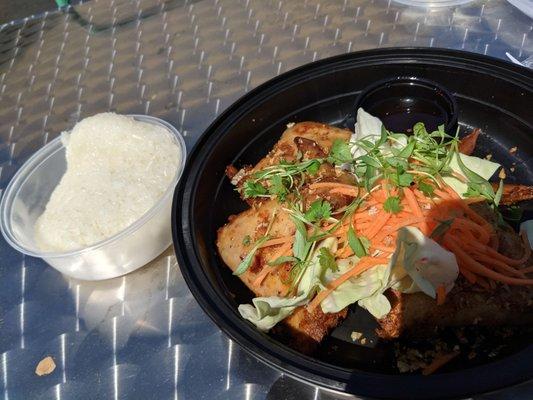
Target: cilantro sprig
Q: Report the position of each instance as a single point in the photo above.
(277, 181)
(359, 244)
(392, 205)
(327, 260)
(318, 211)
(248, 259)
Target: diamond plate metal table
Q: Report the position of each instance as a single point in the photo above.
(143, 336)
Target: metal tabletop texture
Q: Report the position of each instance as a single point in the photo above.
(143, 336)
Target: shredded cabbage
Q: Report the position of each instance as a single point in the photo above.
(480, 166)
(421, 264)
(363, 289)
(528, 227)
(268, 311)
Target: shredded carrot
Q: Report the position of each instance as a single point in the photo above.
(439, 362)
(464, 237)
(386, 249)
(353, 191)
(363, 216)
(500, 265)
(493, 253)
(443, 194)
(341, 232)
(361, 226)
(463, 223)
(441, 295)
(474, 216)
(415, 207)
(453, 194)
(527, 247)
(469, 276)
(344, 252)
(381, 220)
(284, 250)
(263, 274)
(378, 194)
(471, 238)
(474, 266)
(405, 213)
(421, 197)
(401, 224)
(412, 202)
(527, 270)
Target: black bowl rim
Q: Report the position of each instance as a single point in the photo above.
(370, 89)
(509, 371)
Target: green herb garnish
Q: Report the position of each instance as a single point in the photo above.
(283, 260)
(340, 152)
(356, 243)
(499, 193)
(318, 211)
(247, 261)
(278, 187)
(477, 186)
(279, 180)
(254, 189)
(426, 188)
(392, 205)
(327, 260)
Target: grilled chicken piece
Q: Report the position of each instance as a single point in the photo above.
(303, 329)
(514, 193)
(419, 315)
(252, 224)
(310, 139)
(468, 143)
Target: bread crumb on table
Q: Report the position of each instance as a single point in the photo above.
(46, 366)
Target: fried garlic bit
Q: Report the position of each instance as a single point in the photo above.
(46, 366)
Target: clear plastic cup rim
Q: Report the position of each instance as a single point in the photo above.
(433, 3)
(9, 194)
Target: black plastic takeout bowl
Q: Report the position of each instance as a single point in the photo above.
(491, 94)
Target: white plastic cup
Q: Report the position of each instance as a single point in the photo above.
(27, 194)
